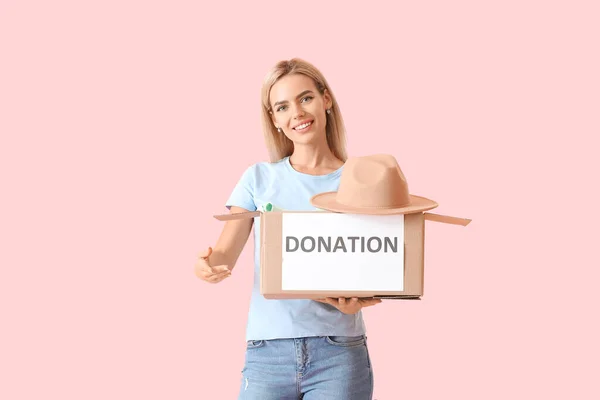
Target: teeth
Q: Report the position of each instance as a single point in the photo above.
(303, 125)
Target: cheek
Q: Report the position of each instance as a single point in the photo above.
(319, 111)
(320, 115)
(281, 117)
(276, 121)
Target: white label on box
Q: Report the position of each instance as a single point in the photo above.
(334, 251)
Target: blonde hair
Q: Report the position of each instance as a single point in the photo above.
(278, 145)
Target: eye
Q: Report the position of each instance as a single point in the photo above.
(307, 98)
(280, 108)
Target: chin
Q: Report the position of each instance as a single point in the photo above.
(303, 139)
(307, 137)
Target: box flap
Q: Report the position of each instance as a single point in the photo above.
(446, 219)
(428, 216)
(242, 215)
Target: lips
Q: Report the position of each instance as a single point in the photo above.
(303, 125)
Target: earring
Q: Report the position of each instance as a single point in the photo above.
(279, 129)
(329, 111)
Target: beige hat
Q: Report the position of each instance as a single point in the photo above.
(372, 185)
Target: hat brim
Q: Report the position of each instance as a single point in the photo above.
(326, 201)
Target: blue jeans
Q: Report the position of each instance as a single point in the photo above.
(311, 368)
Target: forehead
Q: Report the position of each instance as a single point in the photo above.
(288, 87)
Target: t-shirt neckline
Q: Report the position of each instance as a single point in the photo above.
(332, 174)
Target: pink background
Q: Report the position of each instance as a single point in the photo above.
(126, 124)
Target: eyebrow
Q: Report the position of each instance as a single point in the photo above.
(300, 95)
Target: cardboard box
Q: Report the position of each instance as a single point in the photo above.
(317, 254)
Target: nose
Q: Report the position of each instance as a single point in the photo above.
(298, 111)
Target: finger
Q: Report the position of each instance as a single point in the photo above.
(370, 302)
(213, 280)
(373, 301)
(220, 268)
(206, 275)
(218, 277)
(201, 271)
(332, 301)
(206, 253)
(206, 270)
(342, 301)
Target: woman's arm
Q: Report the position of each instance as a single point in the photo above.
(232, 240)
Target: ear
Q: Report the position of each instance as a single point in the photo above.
(327, 99)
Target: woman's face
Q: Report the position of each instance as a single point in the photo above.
(299, 109)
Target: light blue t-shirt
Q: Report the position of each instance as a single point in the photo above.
(280, 184)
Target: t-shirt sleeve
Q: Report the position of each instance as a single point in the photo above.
(243, 193)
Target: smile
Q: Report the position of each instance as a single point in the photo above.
(303, 126)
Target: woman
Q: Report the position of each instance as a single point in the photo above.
(295, 348)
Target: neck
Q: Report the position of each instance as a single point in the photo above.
(313, 155)
(310, 157)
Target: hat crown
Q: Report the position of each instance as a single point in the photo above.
(374, 181)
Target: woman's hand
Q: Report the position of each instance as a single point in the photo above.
(349, 306)
(210, 274)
